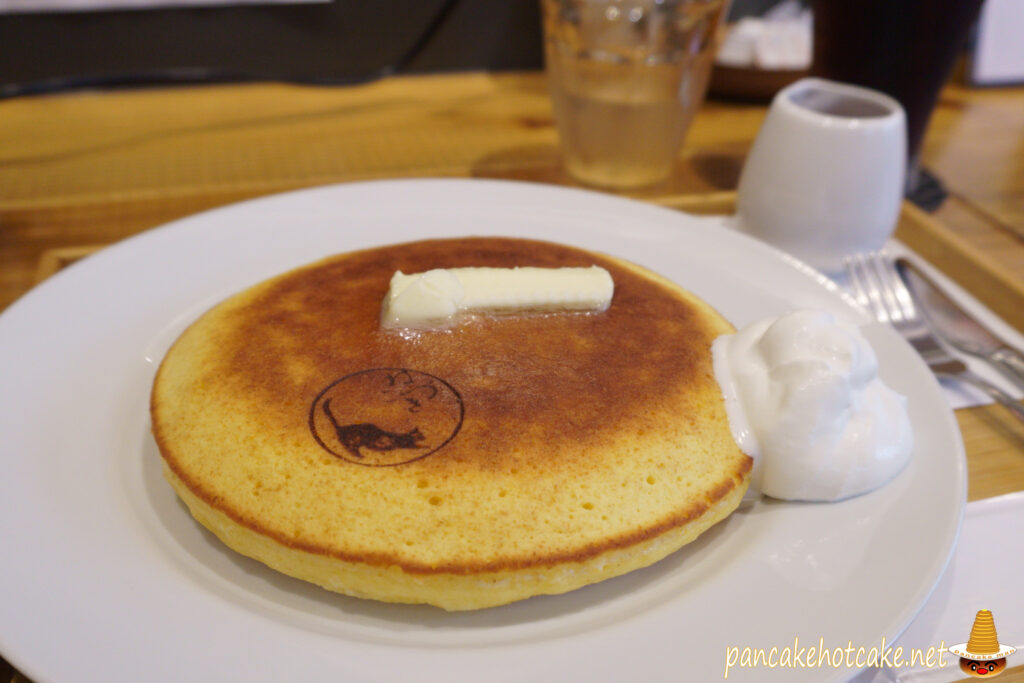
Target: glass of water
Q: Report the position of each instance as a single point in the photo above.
(626, 78)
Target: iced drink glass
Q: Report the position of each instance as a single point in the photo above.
(904, 48)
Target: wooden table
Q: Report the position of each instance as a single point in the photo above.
(87, 169)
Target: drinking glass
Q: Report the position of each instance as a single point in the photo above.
(626, 78)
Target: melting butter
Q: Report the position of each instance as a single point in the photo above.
(432, 299)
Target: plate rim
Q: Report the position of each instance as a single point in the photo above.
(66, 278)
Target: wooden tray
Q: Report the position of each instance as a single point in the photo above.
(993, 440)
(950, 253)
(955, 256)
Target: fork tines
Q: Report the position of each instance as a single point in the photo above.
(878, 288)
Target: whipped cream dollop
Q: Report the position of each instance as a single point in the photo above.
(804, 399)
(433, 298)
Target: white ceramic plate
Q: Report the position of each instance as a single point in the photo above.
(106, 577)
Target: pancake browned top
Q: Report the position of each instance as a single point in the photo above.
(499, 443)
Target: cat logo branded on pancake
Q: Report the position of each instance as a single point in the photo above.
(386, 416)
(982, 656)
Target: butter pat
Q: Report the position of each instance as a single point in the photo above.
(434, 298)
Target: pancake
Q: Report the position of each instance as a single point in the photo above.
(503, 458)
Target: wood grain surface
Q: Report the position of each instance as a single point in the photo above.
(83, 170)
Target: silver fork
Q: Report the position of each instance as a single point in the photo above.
(878, 288)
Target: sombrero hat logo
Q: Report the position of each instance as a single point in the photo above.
(982, 646)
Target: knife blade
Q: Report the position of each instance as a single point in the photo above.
(959, 328)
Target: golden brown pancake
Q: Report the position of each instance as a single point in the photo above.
(502, 458)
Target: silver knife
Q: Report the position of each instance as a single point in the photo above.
(958, 328)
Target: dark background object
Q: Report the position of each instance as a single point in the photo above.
(905, 48)
(345, 41)
(341, 42)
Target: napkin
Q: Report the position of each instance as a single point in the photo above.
(983, 574)
(780, 39)
(959, 394)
